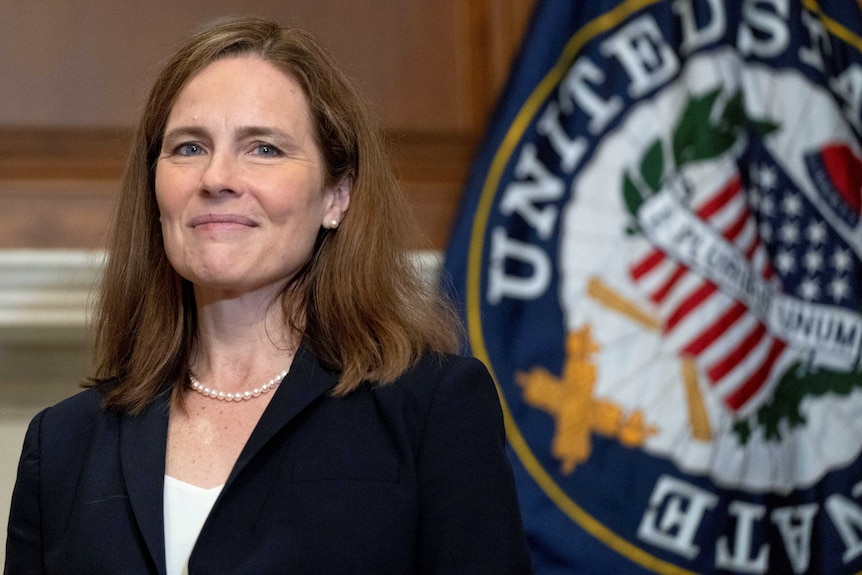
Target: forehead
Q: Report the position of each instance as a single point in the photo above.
(242, 88)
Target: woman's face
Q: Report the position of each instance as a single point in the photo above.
(239, 180)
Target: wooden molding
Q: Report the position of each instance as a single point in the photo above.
(58, 187)
(63, 153)
(100, 153)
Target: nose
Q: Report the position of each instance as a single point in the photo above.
(220, 175)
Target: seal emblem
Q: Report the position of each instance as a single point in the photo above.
(663, 277)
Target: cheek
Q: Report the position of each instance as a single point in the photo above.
(167, 199)
(170, 206)
(160, 185)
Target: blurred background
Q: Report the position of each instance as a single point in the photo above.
(73, 79)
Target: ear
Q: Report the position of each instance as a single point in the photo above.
(337, 201)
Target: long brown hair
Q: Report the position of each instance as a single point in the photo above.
(359, 302)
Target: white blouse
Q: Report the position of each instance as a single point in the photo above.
(186, 508)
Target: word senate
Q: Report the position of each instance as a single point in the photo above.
(677, 509)
(639, 53)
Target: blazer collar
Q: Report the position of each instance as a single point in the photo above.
(143, 443)
(304, 383)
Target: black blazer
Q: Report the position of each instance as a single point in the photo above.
(406, 478)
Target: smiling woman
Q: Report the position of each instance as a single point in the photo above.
(240, 181)
(275, 388)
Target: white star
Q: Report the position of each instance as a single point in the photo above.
(789, 233)
(838, 289)
(792, 205)
(766, 177)
(816, 233)
(767, 206)
(813, 261)
(841, 260)
(785, 262)
(809, 289)
(754, 199)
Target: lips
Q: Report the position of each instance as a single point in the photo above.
(222, 219)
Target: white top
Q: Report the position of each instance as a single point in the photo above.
(186, 508)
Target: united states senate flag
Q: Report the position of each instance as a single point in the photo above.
(658, 258)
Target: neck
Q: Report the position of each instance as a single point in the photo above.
(241, 341)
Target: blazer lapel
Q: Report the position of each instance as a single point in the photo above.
(143, 443)
(306, 381)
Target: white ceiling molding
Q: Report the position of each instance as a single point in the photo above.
(45, 295)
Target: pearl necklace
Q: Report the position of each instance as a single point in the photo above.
(238, 396)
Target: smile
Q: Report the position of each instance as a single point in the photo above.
(222, 219)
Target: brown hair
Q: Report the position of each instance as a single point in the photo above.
(359, 302)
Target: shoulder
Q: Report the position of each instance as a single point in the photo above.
(80, 407)
(53, 457)
(61, 437)
(436, 367)
(441, 373)
(69, 418)
(453, 386)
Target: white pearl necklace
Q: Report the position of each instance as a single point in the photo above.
(240, 395)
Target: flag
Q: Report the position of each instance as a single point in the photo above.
(658, 259)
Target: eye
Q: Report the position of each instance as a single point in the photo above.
(189, 149)
(264, 149)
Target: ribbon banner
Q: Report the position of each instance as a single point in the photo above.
(825, 331)
(658, 255)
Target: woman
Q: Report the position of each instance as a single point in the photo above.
(274, 392)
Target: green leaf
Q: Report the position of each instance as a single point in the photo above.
(652, 166)
(743, 431)
(632, 196)
(693, 126)
(764, 127)
(795, 385)
(733, 116)
(736, 118)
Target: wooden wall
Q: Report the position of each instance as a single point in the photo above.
(74, 75)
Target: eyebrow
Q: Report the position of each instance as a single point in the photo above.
(183, 132)
(244, 132)
(268, 133)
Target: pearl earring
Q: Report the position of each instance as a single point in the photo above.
(333, 224)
